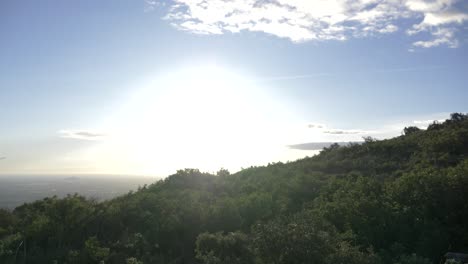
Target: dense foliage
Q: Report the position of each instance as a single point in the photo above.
(402, 200)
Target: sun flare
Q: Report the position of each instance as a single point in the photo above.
(202, 117)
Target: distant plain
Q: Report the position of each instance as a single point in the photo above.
(18, 189)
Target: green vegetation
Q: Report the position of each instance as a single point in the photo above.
(402, 200)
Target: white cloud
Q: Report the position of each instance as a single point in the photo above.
(81, 134)
(425, 123)
(150, 5)
(345, 131)
(388, 29)
(301, 20)
(441, 18)
(333, 131)
(442, 36)
(316, 125)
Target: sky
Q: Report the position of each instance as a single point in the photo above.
(150, 87)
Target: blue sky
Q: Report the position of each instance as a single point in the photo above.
(127, 86)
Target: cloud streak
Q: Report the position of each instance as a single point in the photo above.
(345, 132)
(300, 21)
(332, 131)
(81, 134)
(426, 123)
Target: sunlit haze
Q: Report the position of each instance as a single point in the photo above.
(203, 116)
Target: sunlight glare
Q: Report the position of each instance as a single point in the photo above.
(202, 117)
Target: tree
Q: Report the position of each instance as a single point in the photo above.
(301, 238)
(220, 248)
(410, 130)
(94, 251)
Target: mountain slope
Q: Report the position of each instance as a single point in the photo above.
(401, 200)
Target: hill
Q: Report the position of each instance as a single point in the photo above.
(401, 200)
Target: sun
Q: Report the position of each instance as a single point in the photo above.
(205, 117)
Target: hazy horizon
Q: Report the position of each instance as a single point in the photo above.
(18, 189)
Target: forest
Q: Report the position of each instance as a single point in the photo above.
(402, 200)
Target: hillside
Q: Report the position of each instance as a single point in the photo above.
(401, 200)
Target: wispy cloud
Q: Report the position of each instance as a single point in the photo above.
(316, 125)
(410, 69)
(300, 20)
(81, 134)
(151, 5)
(323, 135)
(426, 123)
(334, 74)
(345, 132)
(292, 77)
(333, 131)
